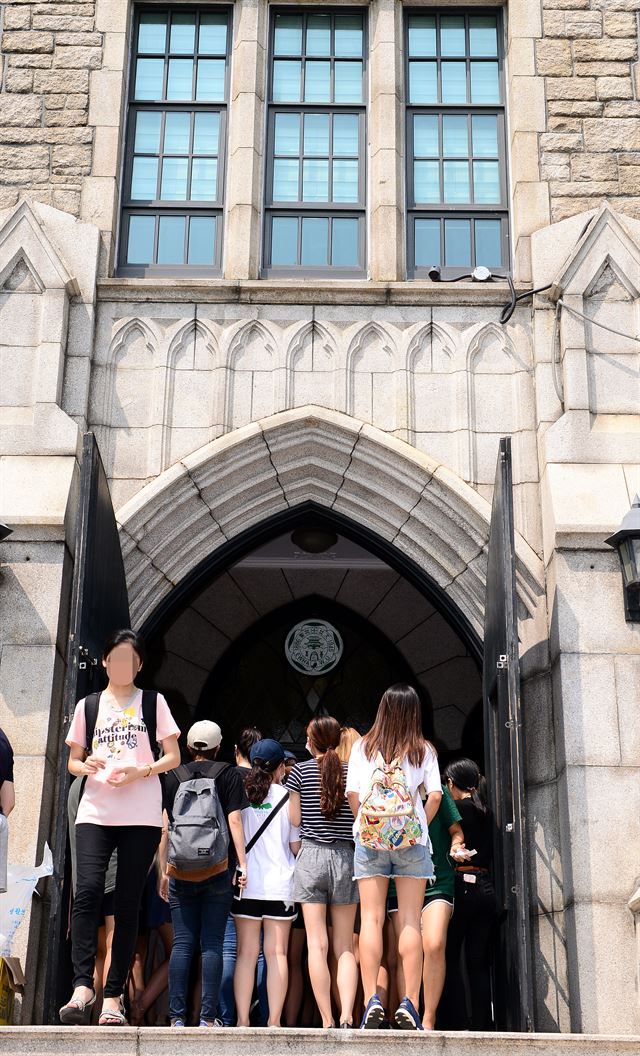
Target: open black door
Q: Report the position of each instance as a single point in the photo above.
(505, 762)
(99, 604)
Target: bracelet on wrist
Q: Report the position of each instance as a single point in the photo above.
(149, 770)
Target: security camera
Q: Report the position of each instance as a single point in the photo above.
(434, 273)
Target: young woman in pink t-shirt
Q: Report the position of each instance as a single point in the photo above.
(120, 809)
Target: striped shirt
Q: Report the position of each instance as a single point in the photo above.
(305, 780)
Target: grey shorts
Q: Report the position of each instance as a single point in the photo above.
(324, 873)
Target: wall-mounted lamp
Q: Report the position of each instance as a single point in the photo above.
(627, 542)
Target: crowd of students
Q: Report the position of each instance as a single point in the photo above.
(340, 891)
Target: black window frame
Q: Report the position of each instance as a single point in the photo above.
(442, 211)
(168, 207)
(300, 209)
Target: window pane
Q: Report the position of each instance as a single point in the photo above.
(287, 134)
(345, 181)
(318, 35)
(484, 136)
(288, 35)
(457, 243)
(315, 240)
(485, 87)
(426, 181)
(202, 240)
(456, 181)
(210, 84)
(284, 240)
(454, 82)
(455, 136)
(427, 243)
(317, 82)
(152, 34)
(348, 82)
(344, 242)
(212, 41)
(171, 240)
(174, 179)
(180, 80)
(147, 140)
(483, 35)
(425, 136)
(149, 77)
(144, 179)
(286, 81)
(345, 134)
(140, 245)
(452, 36)
(315, 181)
(176, 133)
(486, 181)
(423, 82)
(204, 180)
(285, 180)
(488, 247)
(422, 35)
(348, 35)
(316, 134)
(183, 34)
(206, 133)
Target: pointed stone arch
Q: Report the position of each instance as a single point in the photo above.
(133, 401)
(432, 392)
(191, 415)
(319, 375)
(253, 384)
(371, 360)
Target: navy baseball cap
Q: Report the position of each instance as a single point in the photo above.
(268, 753)
(290, 757)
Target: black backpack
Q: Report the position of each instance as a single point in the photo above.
(149, 716)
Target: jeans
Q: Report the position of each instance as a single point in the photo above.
(199, 913)
(472, 925)
(227, 1003)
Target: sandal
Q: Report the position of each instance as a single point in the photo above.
(77, 1013)
(113, 1017)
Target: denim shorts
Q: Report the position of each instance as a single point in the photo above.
(409, 861)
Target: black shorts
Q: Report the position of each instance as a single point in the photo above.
(429, 898)
(263, 909)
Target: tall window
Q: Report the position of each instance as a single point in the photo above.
(456, 179)
(176, 130)
(315, 184)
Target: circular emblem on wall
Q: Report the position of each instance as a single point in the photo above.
(313, 647)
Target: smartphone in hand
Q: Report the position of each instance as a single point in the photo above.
(236, 882)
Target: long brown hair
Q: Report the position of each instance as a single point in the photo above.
(324, 735)
(397, 729)
(258, 782)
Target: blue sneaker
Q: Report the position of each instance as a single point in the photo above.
(177, 1022)
(406, 1017)
(373, 1014)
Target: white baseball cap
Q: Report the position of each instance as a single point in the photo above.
(204, 734)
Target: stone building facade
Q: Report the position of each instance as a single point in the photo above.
(221, 400)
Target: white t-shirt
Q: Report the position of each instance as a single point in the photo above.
(270, 862)
(361, 770)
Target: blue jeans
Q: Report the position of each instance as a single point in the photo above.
(227, 1003)
(199, 913)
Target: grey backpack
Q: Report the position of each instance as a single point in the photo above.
(198, 834)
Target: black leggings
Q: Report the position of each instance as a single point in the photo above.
(136, 846)
(472, 923)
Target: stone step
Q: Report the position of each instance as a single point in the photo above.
(152, 1041)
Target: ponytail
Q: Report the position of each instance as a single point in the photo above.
(324, 735)
(257, 783)
(465, 775)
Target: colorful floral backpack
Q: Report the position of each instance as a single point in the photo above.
(388, 819)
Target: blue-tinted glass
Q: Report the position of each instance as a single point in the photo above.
(147, 139)
(348, 35)
(317, 83)
(204, 180)
(180, 80)
(212, 39)
(288, 35)
(176, 133)
(315, 181)
(183, 34)
(486, 181)
(202, 240)
(488, 247)
(426, 181)
(423, 82)
(484, 136)
(285, 180)
(454, 82)
(287, 134)
(140, 244)
(455, 136)
(210, 83)
(152, 33)
(315, 240)
(144, 179)
(422, 35)
(344, 242)
(318, 35)
(175, 172)
(286, 81)
(457, 243)
(345, 181)
(483, 35)
(427, 243)
(348, 82)
(206, 133)
(284, 240)
(171, 240)
(485, 86)
(456, 181)
(345, 134)
(316, 134)
(452, 37)
(425, 136)
(149, 75)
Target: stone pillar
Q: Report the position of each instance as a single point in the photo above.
(385, 158)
